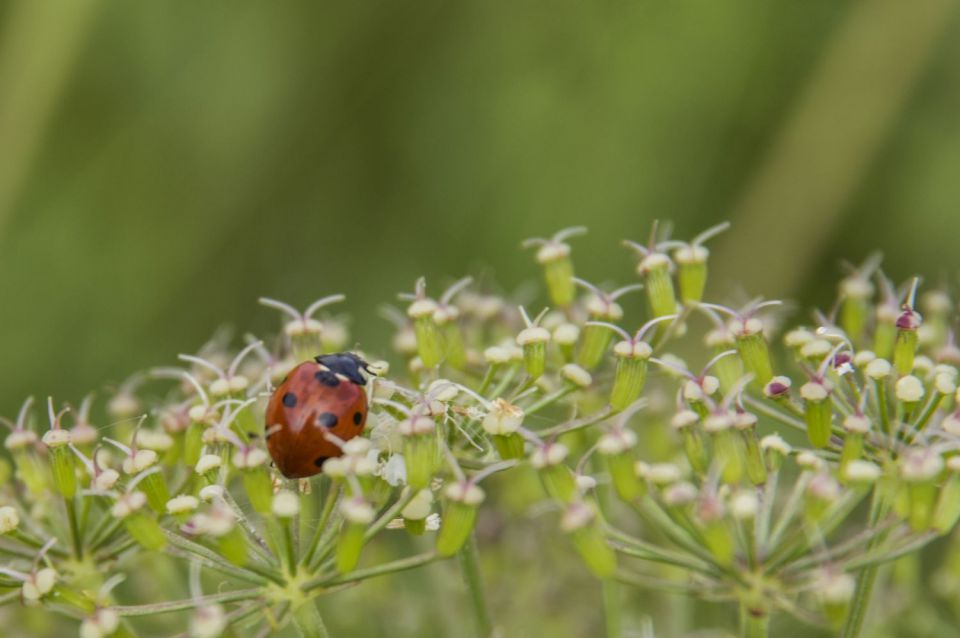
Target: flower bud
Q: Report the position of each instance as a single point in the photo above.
(746, 423)
(62, 461)
(581, 523)
(710, 513)
(9, 519)
(905, 347)
(416, 512)
(694, 447)
(856, 292)
(617, 447)
(947, 510)
(822, 491)
(286, 504)
(909, 390)
(655, 269)
(861, 473)
(856, 427)
(38, 585)
(141, 526)
(554, 256)
(100, 625)
(575, 375)
(692, 272)
(753, 350)
(818, 412)
(631, 373)
(257, 484)
(920, 468)
(501, 423)
(728, 449)
(429, 340)
(566, 335)
(208, 621)
(419, 449)
(835, 590)
(744, 505)
(357, 515)
(558, 480)
(534, 340)
(775, 449)
(460, 515)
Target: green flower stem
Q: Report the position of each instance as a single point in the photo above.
(646, 551)
(470, 568)
(885, 555)
(882, 405)
(576, 424)
(867, 577)
(392, 512)
(289, 547)
(660, 585)
(790, 510)
(308, 621)
(488, 379)
(612, 608)
(753, 626)
(259, 544)
(928, 411)
(250, 572)
(333, 495)
(550, 399)
(71, 505)
(801, 541)
(191, 603)
(504, 382)
(326, 582)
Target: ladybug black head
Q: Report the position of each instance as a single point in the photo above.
(347, 364)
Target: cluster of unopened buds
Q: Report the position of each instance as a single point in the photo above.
(778, 474)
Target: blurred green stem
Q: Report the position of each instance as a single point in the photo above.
(867, 577)
(753, 625)
(308, 621)
(470, 566)
(613, 619)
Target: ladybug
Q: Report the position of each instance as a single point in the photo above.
(318, 397)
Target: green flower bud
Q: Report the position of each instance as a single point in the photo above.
(357, 515)
(581, 523)
(655, 269)
(430, 345)
(595, 339)
(141, 526)
(728, 449)
(691, 261)
(909, 391)
(617, 448)
(947, 510)
(856, 428)
(181, 507)
(460, 515)
(419, 450)
(885, 332)
(62, 462)
(455, 354)
(920, 468)
(713, 526)
(534, 340)
(558, 480)
(822, 492)
(835, 590)
(153, 483)
(728, 369)
(501, 423)
(856, 292)
(694, 446)
(746, 423)
(554, 256)
(775, 450)
(416, 512)
(753, 350)
(905, 347)
(631, 373)
(818, 412)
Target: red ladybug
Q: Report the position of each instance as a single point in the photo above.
(318, 397)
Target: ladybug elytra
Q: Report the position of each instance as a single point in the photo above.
(319, 397)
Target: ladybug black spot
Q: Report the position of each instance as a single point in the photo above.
(357, 418)
(327, 378)
(290, 400)
(320, 460)
(327, 419)
(345, 363)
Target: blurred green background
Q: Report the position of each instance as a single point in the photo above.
(164, 164)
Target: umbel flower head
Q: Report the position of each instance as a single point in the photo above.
(772, 469)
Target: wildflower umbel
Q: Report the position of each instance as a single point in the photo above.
(714, 501)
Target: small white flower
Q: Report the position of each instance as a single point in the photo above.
(9, 519)
(208, 463)
(182, 504)
(38, 585)
(503, 418)
(286, 504)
